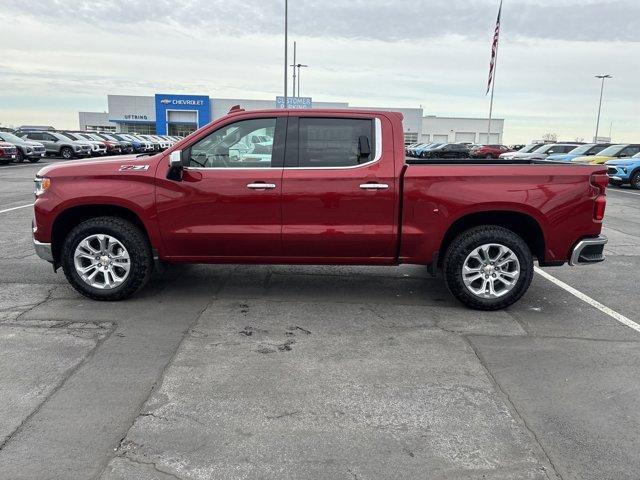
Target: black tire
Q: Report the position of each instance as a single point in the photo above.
(19, 156)
(473, 238)
(488, 156)
(133, 239)
(635, 180)
(615, 183)
(67, 153)
(34, 159)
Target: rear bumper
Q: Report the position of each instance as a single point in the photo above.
(43, 250)
(588, 250)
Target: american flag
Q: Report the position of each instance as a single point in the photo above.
(494, 50)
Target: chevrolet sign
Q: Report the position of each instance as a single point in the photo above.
(191, 103)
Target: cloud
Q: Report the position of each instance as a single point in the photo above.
(586, 20)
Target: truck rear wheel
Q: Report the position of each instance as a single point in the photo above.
(488, 267)
(107, 258)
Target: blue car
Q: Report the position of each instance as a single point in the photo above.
(581, 151)
(624, 171)
(419, 152)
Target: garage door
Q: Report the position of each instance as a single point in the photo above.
(468, 137)
(440, 138)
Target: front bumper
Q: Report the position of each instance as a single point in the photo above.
(43, 250)
(588, 250)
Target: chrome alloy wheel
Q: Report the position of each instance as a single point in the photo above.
(101, 261)
(491, 270)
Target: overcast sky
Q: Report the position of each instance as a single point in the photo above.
(60, 57)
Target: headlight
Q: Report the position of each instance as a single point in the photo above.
(42, 185)
(29, 150)
(624, 169)
(78, 148)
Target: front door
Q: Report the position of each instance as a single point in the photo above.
(338, 200)
(228, 204)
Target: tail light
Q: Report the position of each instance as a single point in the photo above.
(599, 181)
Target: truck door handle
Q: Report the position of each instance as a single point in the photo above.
(374, 186)
(261, 186)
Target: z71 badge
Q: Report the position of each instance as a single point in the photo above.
(134, 168)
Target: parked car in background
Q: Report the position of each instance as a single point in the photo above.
(489, 151)
(411, 151)
(624, 171)
(526, 149)
(542, 152)
(421, 151)
(113, 148)
(25, 149)
(613, 152)
(139, 144)
(125, 145)
(97, 148)
(516, 147)
(7, 153)
(58, 144)
(582, 151)
(447, 150)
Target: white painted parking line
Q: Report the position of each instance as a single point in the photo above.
(16, 208)
(637, 194)
(585, 298)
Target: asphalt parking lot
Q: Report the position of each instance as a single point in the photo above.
(317, 372)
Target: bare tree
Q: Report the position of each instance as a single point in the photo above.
(550, 137)
(580, 139)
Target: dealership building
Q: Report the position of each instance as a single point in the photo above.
(171, 114)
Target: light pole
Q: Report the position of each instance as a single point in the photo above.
(286, 53)
(603, 78)
(294, 69)
(300, 65)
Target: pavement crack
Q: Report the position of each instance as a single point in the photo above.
(283, 415)
(154, 465)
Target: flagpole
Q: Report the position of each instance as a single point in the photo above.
(493, 87)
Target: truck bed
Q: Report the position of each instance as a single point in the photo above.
(477, 161)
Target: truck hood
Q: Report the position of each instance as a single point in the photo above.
(123, 163)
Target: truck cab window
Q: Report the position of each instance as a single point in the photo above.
(244, 144)
(333, 142)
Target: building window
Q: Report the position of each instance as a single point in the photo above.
(182, 129)
(410, 137)
(138, 127)
(100, 128)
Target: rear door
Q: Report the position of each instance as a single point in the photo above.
(228, 204)
(338, 201)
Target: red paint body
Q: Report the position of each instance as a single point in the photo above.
(322, 216)
(493, 151)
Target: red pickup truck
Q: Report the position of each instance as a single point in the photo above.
(316, 187)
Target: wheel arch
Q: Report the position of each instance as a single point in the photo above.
(73, 216)
(522, 224)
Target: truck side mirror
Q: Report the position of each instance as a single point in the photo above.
(176, 165)
(364, 148)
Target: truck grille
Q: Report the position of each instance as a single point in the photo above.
(38, 149)
(612, 170)
(9, 150)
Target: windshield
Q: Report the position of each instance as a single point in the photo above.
(582, 149)
(543, 148)
(67, 135)
(9, 137)
(530, 148)
(611, 151)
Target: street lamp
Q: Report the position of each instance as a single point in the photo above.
(300, 65)
(602, 77)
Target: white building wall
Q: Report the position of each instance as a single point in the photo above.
(452, 129)
(95, 121)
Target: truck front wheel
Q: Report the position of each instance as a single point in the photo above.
(107, 258)
(488, 267)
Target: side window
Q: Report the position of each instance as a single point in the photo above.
(334, 142)
(36, 136)
(244, 144)
(631, 151)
